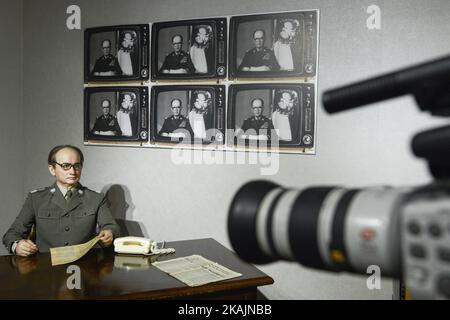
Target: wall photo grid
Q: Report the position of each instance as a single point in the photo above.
(244, 83)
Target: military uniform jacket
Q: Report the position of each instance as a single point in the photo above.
(262, 125)
(108, 123)
(263, 57)
(107, 64)
(178, 61)
(171, 124)
(61, 223)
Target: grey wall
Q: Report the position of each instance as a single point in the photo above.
(363, 147)
(11, 128)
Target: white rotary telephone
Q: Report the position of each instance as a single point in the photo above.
(139, 245)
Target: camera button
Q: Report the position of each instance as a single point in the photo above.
(444, 254)
(417, 251)
(435, 230)
(443, 284)
(417, 275)
(414, 228)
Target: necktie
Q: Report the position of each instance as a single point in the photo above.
(68, 195)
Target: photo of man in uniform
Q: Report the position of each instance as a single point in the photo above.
(175, 122)
(259, 58)
(107, 64)
(257, 127)
(65, 213)
(178, 61)
(106, 124)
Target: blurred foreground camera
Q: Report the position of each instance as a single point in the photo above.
(404, 231)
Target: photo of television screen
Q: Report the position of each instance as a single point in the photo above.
(188, 114)
(282, 45)
(116, 114)
(271, 114)
(190, 49)
(116, 53)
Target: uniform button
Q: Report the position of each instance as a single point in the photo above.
(67, 229)
(66, 243)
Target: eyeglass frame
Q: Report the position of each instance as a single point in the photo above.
(78, 164)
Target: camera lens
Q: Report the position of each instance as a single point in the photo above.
(242, 217)
(328, 228)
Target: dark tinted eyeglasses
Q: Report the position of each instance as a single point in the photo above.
(68, 166)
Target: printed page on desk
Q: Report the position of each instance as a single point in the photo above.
(63, 255)
(195, 270)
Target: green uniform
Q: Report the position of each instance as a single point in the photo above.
(59, 222)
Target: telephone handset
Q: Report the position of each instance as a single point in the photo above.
(139, 245)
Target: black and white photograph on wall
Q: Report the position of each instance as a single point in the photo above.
(116, 53)
(189, 50)
(259, 114)
(274, 45)
(188, 114)
(116, 114)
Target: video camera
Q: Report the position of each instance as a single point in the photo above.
(404, 231)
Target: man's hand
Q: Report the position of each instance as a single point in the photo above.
(105, 238)
(26, 248)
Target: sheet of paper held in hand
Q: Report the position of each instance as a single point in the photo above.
(195, 270)
(63, 255)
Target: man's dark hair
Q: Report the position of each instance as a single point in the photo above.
(109, 42)
(253, 100)
(179, 100)
(178, 35)
(52, 154)
(263, 32)
(109, 102)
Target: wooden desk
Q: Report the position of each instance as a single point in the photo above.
(105, 275)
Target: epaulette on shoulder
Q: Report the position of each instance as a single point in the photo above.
(38, 190)
(85, 189)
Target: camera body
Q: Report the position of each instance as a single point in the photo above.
(403, 231)
(425, 232)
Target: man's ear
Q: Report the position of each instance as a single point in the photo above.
(52, 170)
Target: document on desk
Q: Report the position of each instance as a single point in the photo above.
(195, 270)
(63, 255)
